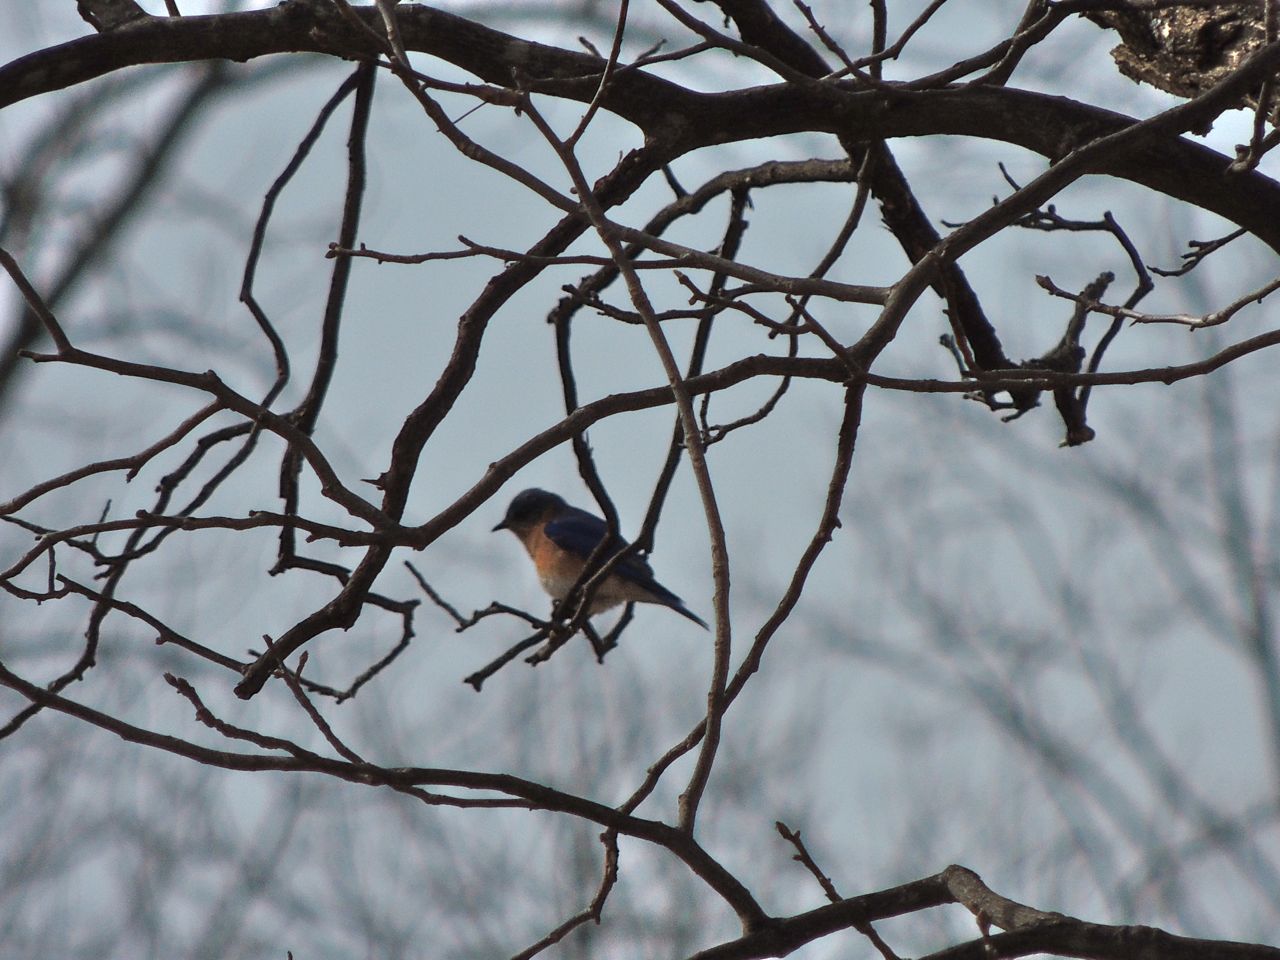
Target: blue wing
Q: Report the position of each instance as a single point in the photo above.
(579, 532)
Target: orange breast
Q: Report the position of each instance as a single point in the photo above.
(557, 568)
(558, 571)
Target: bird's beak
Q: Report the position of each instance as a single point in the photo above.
(501, 526)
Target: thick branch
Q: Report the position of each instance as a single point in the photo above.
(683, 119)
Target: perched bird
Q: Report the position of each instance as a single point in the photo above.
(559, 538)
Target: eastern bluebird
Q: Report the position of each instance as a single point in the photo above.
(559, 538)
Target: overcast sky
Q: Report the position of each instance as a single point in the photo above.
(987, 587)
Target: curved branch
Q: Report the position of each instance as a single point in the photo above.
(536, 795)
(684, 120)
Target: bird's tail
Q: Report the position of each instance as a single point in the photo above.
(668, 599)
(684, 611)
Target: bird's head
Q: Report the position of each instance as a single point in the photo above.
(527, 509)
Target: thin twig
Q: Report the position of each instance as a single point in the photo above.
(611, 64)
(1200, 249)
(593, 910)
(1211, 319)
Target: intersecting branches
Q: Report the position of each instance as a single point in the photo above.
(148, 530)
(717, 298)
(1067, 356)
(1028, 930)
(757, 321)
